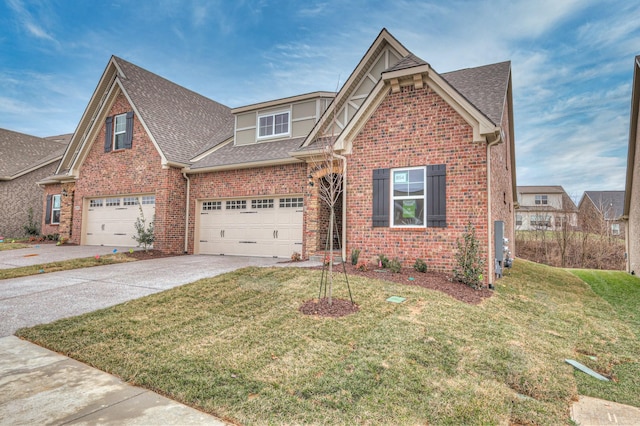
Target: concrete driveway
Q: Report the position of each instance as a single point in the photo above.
(38, 299)
(38, 386)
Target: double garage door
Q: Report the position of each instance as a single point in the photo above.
(269, 227)
(110, 221)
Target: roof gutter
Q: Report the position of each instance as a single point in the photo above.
(186, 213)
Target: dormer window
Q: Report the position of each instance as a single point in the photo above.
(541, 200)
(276, 124)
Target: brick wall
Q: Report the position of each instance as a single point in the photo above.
(133, 171)
(287, 179)
(502, 185)
(18, 195)
(416, 127)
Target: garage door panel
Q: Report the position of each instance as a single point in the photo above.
(260, 227)
(109, 221)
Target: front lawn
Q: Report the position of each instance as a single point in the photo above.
(621, 292)
(238, 347)
(12, 246)
(64, 265)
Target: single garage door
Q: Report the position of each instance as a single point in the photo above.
(110, 221)
(268, 227)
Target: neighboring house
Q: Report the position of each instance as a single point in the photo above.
(631, 209)
(544, 208)
(601, 212)
(422, 155)
(24, 160)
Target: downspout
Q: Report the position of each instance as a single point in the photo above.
(344, 205)
(186, 213)
(491, 259)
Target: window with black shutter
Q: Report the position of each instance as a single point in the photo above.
(410, 197)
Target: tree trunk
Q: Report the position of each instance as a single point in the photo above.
(331, 220)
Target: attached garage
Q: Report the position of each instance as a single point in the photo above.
(110, 221)
(266, 227)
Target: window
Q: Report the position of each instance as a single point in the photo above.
(541, 200)
(119, 130)
(262, 204)
(55, 209)
(408, 196)
(615, 229)
(291, 202)
(236, 205)
(111, 202)
(518, 220)
(148, 199)
(211, 205)
(95, 203)
(540, 221)
(130, 201)
(273, 124)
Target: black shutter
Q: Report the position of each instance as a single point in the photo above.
(436, 195)
(47, 212)
(128, 137)
(381, 197)
(108, 134)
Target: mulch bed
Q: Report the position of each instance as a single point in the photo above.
(150, 254)
(321, 308)
(431, 280)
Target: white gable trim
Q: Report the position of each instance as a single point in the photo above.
(98, 122)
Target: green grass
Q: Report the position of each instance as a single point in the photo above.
(64, 265)
(12, 246)
(620, 292)
(237, 346)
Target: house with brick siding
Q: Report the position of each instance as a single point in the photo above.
(24, 160)
(421, 155)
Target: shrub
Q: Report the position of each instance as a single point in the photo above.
(144, 233)
(31, 228)
(420, 266)
(383, 261)
(295, 257)
(52, 237)
(468, 258)
(355, 255)
(395, 266)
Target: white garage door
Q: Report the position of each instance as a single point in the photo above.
(269, 227)
(110, 221)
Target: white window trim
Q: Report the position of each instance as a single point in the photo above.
(273, 114)
(116, 132)
(393, 198)
(54, 209)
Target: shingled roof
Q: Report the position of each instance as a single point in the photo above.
(21, 153)
(182, 122)
(610, 203)
(485, 87)
(247, 154)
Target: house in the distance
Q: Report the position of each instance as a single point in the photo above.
(421, 154)
(631, 209)
(545, 208)
(24, 160)
(601, 212)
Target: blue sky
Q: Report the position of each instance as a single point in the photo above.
(572, 62)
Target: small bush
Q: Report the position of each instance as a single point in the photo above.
(395, 266)
(383, 261)
(362, 266)
(144, 233)
(420, 266)
(52, 237)
(31, 228)
(295, 257)
(470, 263)
(355, 255)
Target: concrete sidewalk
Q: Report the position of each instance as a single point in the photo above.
(39, 387)
(589, 411)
